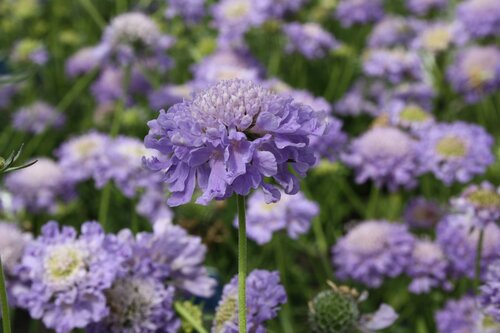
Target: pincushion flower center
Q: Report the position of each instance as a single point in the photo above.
(451, 146)
(64, 264)
(437, 39)
(368, 238)
(413, 113)
(225, 313)
(485, 198)
(237, 9)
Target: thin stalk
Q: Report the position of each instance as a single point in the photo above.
(4, 301)
(285, 316)
(93, 12)
(104, 205)
(242, 264)
(75, 91)
(181, 310)
(479, 253)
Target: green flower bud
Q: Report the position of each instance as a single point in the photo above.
(334, 311)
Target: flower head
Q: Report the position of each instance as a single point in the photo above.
(475, 72)
(421, 213)
(169, 95)
(481, 18)
(37, 118)
(455, 152)
(372, 251)
(385, 155)
(64, 277)
(423, 7)
(40, 187)
(394, 65)
(393, 31)
(458, 237)
(309, 39)
(409, 116)
(192, 11)
(228, 139)
(428, 267)
(490, 291)
(265, 295)
(293, 213)
(480, 201)
(85, 60)
(351, 12)
(439, 37)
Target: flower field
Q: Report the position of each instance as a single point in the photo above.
(280, 166)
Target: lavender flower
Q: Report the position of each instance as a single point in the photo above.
(360, 98)
(490, 291)
(409, 116)
(481, 18)
(293, 213)
(309, 39)
(37, 118)
(475, 72)
(482, 202)
(227, 65)
(65, 277)
(428, 268)
(192, 11)
(228, 139)
(458, 238)
(133, 36)
(423, 7)
(265, 295)
(351, 12)
(85, 60)
(392, 32)
(40, 187)
(169, 95)
(385, 155)
(394, 65)
(420, 93)
(80, 158)
(439, 37)
(421, 213)
(455, 152)
(372, 251)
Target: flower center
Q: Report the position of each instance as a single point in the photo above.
(64, 265)
(451, 146)
(414, 114)
(485, 198)
(368, 238)
(427, 251)
(237, 10)
(226, 312)
(86, 147)
(437, 39)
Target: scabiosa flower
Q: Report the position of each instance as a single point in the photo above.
(438, 37)
(80, 157)
(420, 93)
(336, 310)
(455, 152)
(428, 267)
(293, 213)
(481, 18)
(385, 155)
(85, 60)
(350, 12)
(169, 95)
(395, 65)
(309, 39)
(490, 291)
(458, 237)
(278, 8)
(37, 118)
(480, 201)
(29, 51)
(392, 32)
(64, 277)
(265, 295)
(421, 213)
(475, 72)
(423, 7)
(228, 139)
(133, 36)
(409, 116)
(123, 165)
(372, 251)
(192, 11)
(227, 65)
(40, 187)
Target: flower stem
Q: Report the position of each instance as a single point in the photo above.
(104, 205)
(4, 301)
(479, 253)
(285, 317)
(181, 310)
(242, 265)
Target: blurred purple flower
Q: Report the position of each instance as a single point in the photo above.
(85, 60)
(350, 12)
(440, 37)
(372, 251)
(455, 152)
(228, 139)
(482, 202)
(309, 39)
(394, 65)
(393, 31)
(481, 18)
(293, 213)
(386, 155)
(265, 295)
(489, 297)
(37, 117)
(424, 7)
(192, 11)
(7, 92)
(409, 116)
(169, 95)
(421, 213)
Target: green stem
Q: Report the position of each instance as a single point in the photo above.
(181, 310)
(4, 301)
(285, 316)
(104, 205)
(242, 265)
(479, 253)
(93, 12)
(75, 91)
